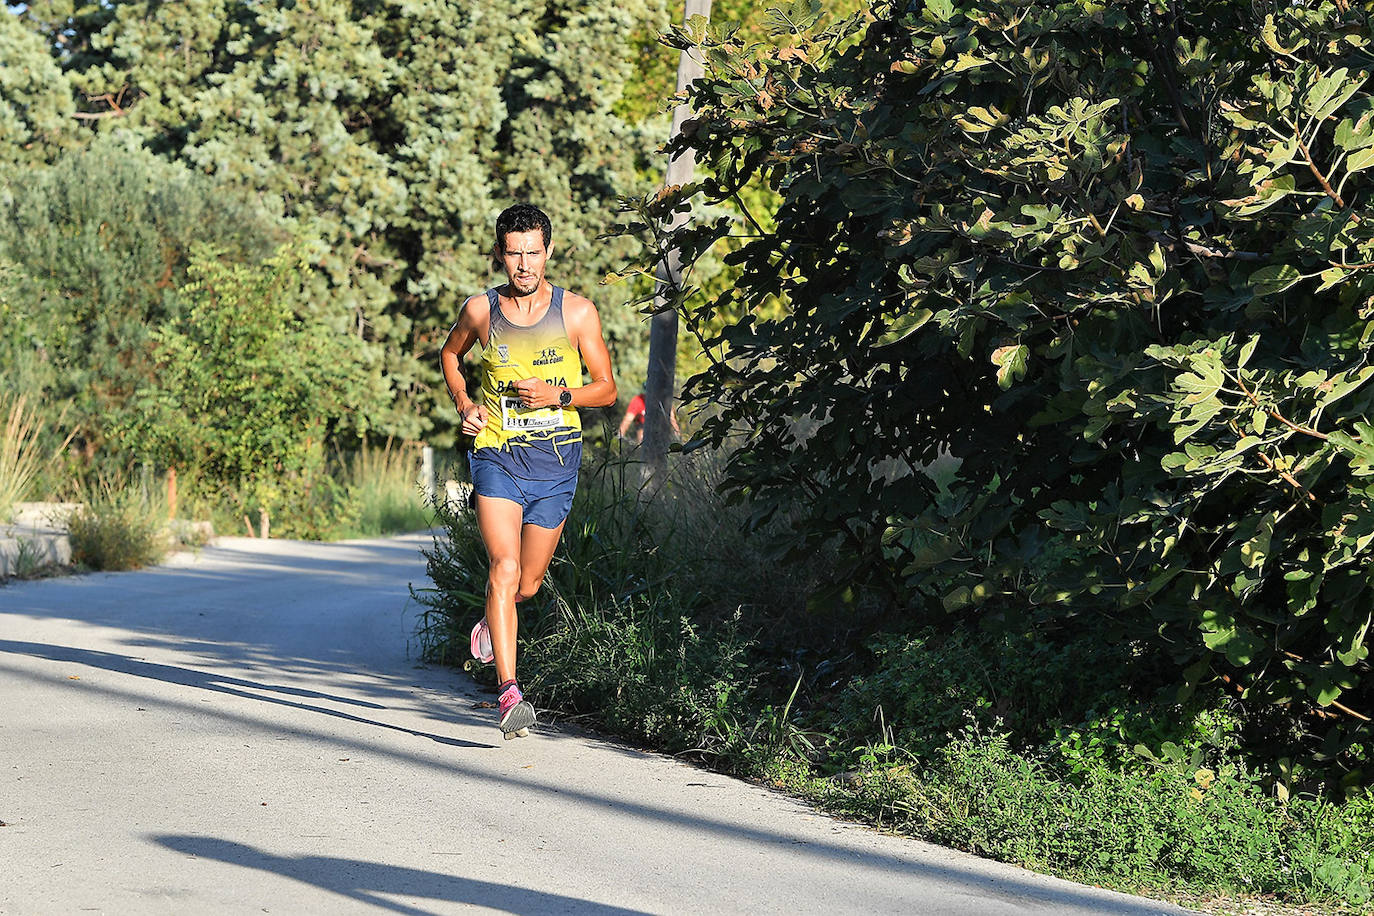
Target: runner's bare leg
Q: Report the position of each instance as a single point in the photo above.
(498, 521)
(536, 552)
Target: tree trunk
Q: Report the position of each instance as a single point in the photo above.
(659, 383)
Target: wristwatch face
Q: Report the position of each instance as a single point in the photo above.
(565, 398)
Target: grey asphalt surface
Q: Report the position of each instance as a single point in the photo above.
(249, 730)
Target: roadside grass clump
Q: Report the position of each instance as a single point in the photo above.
(22, 452)
(118, 527)
(30, 561)
(640, 668)
(644, 627)
(383, 485)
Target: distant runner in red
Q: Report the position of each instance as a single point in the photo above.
(527, 445)
(634, 417)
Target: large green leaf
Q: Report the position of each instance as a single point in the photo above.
(1274, 278)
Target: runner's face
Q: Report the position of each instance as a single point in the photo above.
(524, 258)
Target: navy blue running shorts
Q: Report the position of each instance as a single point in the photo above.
(541, 480)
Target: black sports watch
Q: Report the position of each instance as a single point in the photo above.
(565, 398)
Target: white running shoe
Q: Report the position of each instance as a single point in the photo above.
(481, 643)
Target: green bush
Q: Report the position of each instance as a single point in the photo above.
(1114, 258)
(249, 382)
(97, 246)
(118, 527)
(607, 553)
(1056, 696)
(310, 504)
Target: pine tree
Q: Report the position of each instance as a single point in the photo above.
(36, 102)
(394, 132)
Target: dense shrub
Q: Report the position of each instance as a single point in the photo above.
(1112, 257)
(249, 381)
(97, 246)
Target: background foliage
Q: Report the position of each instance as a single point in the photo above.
(392, 132)
(97, 246)
(1112, 258)
(247, 387)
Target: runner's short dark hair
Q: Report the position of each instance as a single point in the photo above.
(519, 218)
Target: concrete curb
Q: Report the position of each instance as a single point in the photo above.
(36, 537)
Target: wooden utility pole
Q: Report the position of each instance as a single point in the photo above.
(660, 381)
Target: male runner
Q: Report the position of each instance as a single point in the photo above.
(535, 339)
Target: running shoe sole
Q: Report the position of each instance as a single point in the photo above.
(481, 653)
(517, 720)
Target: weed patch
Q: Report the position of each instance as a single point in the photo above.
(640, 668)
(118, 528)
(30, 559)
(1175, 828)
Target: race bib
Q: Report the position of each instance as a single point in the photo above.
(516, 417)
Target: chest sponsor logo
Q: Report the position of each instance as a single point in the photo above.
(548, 356)
(503, 352)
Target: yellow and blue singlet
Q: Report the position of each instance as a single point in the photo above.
(514, 352)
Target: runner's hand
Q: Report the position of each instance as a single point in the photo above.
(474, 419)
(535, 392)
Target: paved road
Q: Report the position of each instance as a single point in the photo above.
(249, 730)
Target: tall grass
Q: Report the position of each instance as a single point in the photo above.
(22, 456)
(653, 601)
(384, 485)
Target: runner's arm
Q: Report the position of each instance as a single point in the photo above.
(466, 332)
(583, 325)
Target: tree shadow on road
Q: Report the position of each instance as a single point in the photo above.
(239, 606)
(366, 882)
(188, 677)
(693, 819)
(201, 617)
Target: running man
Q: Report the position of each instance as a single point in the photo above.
(634, 418)
(535, 340)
